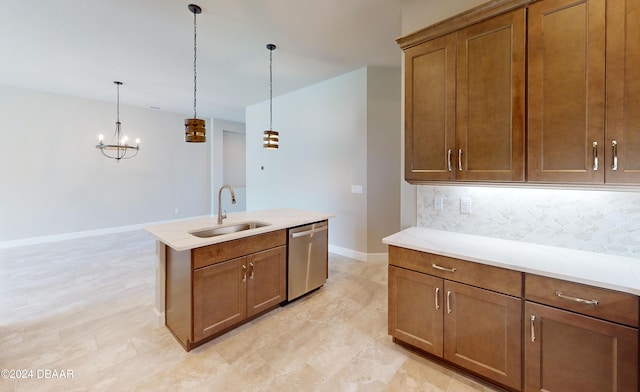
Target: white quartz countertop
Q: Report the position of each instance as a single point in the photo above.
(176, 234)
(596, 269)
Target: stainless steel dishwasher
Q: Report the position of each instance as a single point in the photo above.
(307, 258)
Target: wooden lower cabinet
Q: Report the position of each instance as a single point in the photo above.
(482, 331)
(566, 351)
(415, 310)
(266, 280)
(214, 288)
(477, 329)
(219, 297)
(225, 294)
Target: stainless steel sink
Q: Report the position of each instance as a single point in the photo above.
(228, 229)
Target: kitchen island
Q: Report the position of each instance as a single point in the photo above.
(187, 262)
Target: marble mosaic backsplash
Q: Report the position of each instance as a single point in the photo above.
(598, 221)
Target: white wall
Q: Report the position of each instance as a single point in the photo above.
(234, 170)
(217, 166)
(324, 151)
(383, 152)
(55, 181)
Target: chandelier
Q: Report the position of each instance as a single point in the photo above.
(270, 139)
(119, 147)
(194, 128)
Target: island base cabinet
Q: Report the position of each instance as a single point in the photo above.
(566, 351)
(219, 297)
(476, 329)
(266, 280)
(227, 293)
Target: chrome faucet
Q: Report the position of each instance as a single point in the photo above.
(222, 216)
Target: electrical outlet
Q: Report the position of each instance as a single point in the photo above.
(438, 203)
(465, 205)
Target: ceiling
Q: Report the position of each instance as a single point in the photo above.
(79, 47)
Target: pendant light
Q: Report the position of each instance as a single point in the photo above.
(195, 131)
(119, 147)
(270, 138)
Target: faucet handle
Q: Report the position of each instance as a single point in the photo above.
(224, 214)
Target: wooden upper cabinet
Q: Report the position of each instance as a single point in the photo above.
(566, 91)
(622, 163)
(464, 103)
(491, 99)
(430, 94)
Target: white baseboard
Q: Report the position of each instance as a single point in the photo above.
(159, 319)
(82, 234)
(361, 256)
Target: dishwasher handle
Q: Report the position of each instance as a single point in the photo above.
(309, 232)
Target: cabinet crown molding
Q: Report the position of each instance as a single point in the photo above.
(474, 15)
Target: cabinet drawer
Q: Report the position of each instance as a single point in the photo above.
(216, 253)
(611, 305)
(474, 274)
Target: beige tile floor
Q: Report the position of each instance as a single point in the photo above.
(85, 306)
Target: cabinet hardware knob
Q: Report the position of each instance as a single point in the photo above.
(593, 302)
(595, 156)
(448, 302)
(614, 148)
(437, 295)
(533, 330)
(436, 266)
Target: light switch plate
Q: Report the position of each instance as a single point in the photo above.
(356, 188)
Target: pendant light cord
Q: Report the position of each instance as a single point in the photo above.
(271, 90)
(195, 58)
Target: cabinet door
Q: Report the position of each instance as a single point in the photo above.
(623, 92)
(483, 332)
(566, 91)
(566, 351)
(415, 309)
(267, 274)
(430, 99)
(490, 99)
(219, 297)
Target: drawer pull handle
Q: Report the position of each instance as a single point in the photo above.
(614, 147)
(251, 276)
(244, 273)
(449, 160)
(437, 295)
(460, 160)
(595, 156)
(533, 330)
(436, 266)
(593, 302)
(448, 302)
